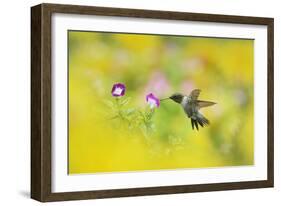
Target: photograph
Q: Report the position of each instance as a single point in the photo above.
(153, 102)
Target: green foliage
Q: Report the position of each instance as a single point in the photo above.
(132, 119)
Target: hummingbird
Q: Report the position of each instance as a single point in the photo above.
(191, 106)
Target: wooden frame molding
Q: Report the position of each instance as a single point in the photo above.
(41, 101)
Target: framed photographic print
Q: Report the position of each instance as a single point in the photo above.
(128, 102)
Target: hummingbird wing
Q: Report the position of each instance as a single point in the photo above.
(195, 94)
(201, 103)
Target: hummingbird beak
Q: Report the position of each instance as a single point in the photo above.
(164, 99)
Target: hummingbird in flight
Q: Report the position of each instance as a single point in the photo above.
(191, 106)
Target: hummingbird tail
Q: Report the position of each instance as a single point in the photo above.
(194, 122)
(202, 120)
(199, 119)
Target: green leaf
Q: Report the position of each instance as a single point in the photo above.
(109, 104)
(124, 101)
(129, 111)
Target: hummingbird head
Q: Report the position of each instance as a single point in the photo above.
(177, 97)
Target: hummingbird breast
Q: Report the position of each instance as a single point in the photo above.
(184, 101)
(189, 106)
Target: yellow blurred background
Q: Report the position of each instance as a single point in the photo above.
(222, 68)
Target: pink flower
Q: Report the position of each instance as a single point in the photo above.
(152, 101)
(158, 83)
(118, 90)
(187, 86)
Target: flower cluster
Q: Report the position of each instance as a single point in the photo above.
(133, 118)
(119, 89)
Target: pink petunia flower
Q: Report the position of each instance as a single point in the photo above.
(152, 101)
(118, 90)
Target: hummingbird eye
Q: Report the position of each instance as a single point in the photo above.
(176, 97)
